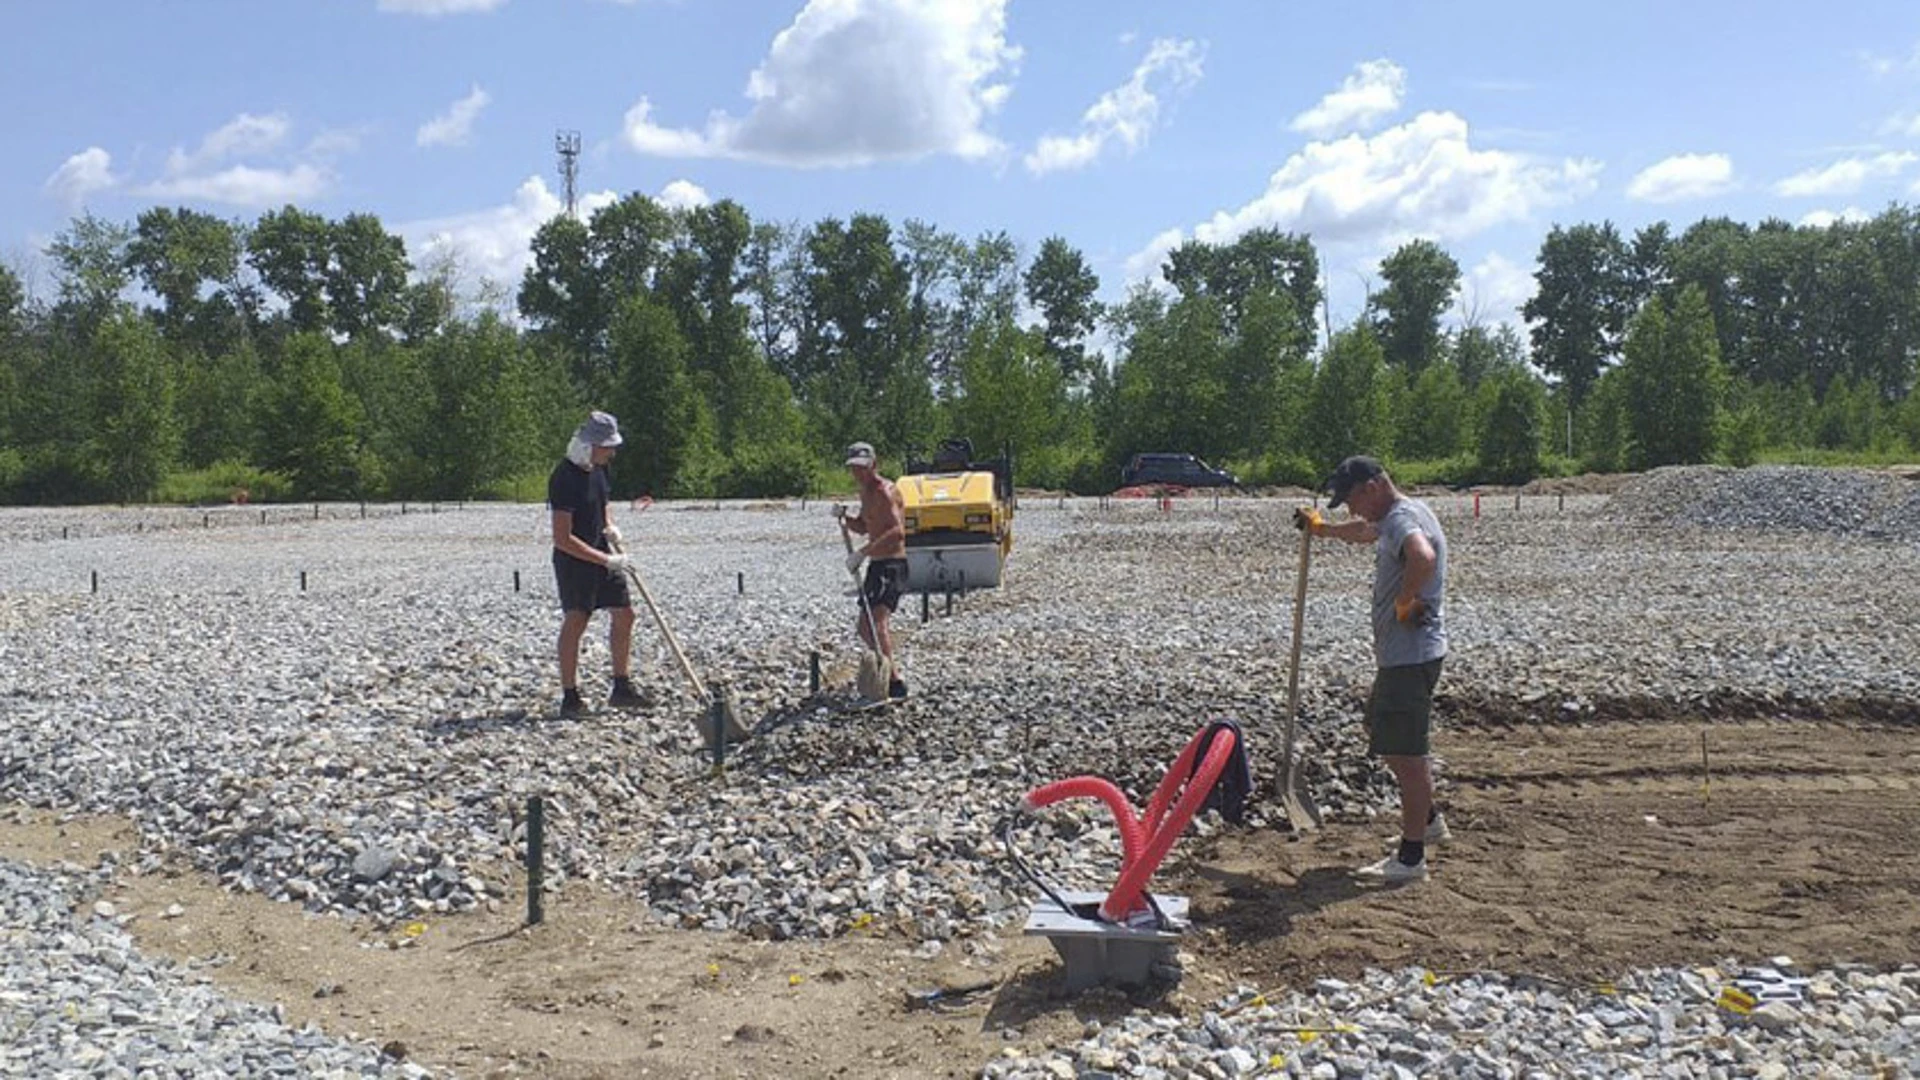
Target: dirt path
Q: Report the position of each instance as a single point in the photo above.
(1582, 850)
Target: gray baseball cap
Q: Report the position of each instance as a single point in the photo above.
(601, 429)
(860, 454)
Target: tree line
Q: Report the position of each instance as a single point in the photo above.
(183, 355)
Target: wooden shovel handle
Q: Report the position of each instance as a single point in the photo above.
(1299, 629)
(660, 620)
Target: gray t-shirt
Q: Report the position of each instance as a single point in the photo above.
(1397, 644)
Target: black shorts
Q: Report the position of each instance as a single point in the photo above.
(886, 580)
(586, 586)
(1400, 710)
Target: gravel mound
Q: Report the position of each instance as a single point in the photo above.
(1657, 1023)
(77, 999)
(1774, 498)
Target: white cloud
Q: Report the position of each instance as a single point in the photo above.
(283, 177)
(492, 243)
(81, 175)
(1902, 125)
(1420, 178)
(1846, 176)
(1495, 290)
(245, 185)
(852, 82)
(650, 138)
(335, 142)
(439, 7)
(453, 127)
(683, 195)
(1146, 263)
(1820, 219)
(1125, 114)
(1372, 93)
(244, 135)
(1683, 176)
(1881, 67)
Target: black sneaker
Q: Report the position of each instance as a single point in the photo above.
(572, 705)
(624, 696)
(896, 689)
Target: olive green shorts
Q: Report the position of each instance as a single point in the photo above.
(1400, 710)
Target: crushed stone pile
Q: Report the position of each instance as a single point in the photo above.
(1774, 498)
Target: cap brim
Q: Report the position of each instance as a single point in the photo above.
(615, 441)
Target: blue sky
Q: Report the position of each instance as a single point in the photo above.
(1121, 125)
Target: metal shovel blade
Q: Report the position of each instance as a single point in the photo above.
(1299, 806)
(874, 677)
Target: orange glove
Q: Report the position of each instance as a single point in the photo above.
(1309, 520)
(1409, 610)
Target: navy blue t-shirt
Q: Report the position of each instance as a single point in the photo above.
(584, 494)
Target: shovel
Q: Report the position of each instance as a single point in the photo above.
(1301, 813)
(723, 710)
(875, 675)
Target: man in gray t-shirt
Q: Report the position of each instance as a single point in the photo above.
(1409, 643)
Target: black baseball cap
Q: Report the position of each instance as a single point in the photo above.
(1350, 474)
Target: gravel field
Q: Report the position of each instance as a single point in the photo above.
(365, 746)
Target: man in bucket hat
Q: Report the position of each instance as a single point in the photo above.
(1409, 643)
(589, 574)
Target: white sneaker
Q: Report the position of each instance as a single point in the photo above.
(1392, 871)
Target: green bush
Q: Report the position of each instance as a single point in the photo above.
(13, 466)
(768, 472)
(1746, 435)
(1280, 469)
(1511, 428)
(527, 487)
(217, 483)
(1835, 459)
(1463, 468)
(49, 477)
(1090, 474)
(1561, 465)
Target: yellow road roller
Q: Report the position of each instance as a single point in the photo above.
(959, 519)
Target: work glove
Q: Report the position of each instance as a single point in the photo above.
(619, 564)
(612, 533)
(1308, 519)
(1409, 611)
(854, 559)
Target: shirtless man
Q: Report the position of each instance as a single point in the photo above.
(882, 519)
